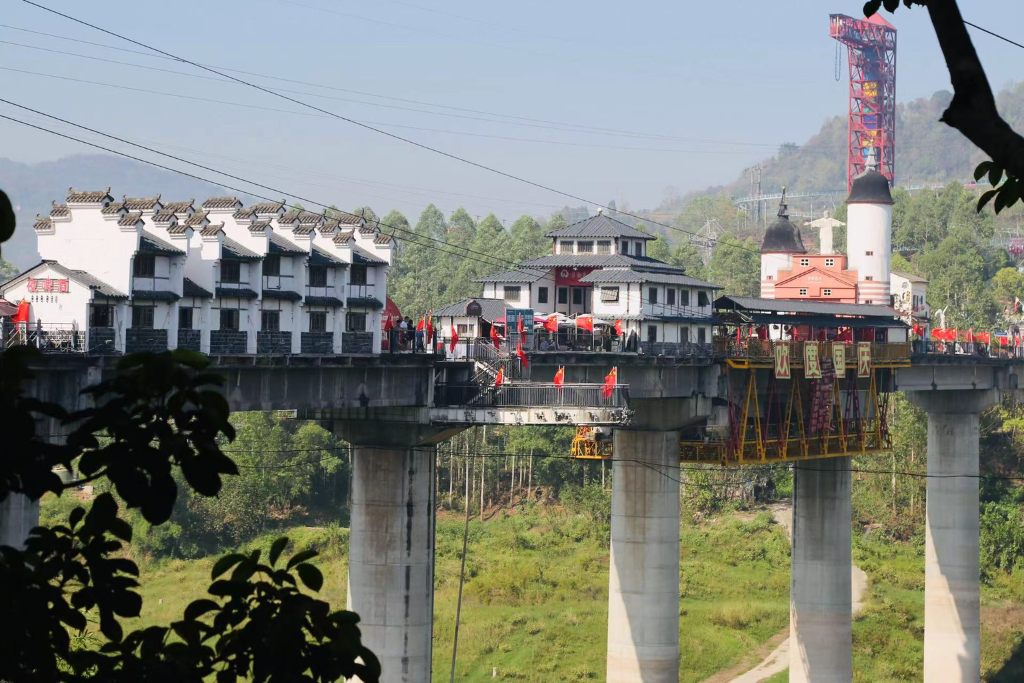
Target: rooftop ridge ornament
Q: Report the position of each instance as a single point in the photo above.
(783, 206)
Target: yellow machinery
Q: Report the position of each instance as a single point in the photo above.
(587, 446)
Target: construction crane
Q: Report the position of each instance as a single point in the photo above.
(871, 45)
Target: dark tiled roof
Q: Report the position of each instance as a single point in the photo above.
(259, 226)
(364, 302)
(140, 203)
(164, 217)
(349, 219)
(600, 226)
(750, 303)
(231, 249)
(196, 219)
(524, 275)
(382, 238)
(212, 229)
(629, 275)
(367, 228)
(151, 244)
(220, 202)
(177, 229)
(179, 207)
(279, 245)
(870, 187)
(112, 208)
(321, 257)
(236, 293)
(154, 295)
(102, 289)
(282, 294)
(43, 223)
(267, 207)
(129, 219)
(190, 288)
(364, 257)
(490, 309)
(343, 237)
(782, 237)
(329, 226)
(330, 301)
(88, 196)
(598, 261)
(242, 214)
(60, 211)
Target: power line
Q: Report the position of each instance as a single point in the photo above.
(994, 34)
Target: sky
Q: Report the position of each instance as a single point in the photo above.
(601, 100)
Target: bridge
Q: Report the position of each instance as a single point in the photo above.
(722, 402)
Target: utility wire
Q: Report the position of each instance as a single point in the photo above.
(994, 34)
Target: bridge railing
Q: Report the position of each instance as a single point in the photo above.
(532, 394)
(763, 350)
(978, 349)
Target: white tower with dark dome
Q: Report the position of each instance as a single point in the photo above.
(869, 235)
(781, 240)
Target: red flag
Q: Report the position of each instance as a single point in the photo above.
(455, 337)
(551, 324)
(500, 378)
(430, 327)
(585, 322)
(420, 325)
(23, 312)
(519, 324)
(739, 334)
(609, 384)
(618, 327)
(494, 337)
(522, 356)
(389, 324)
(560, 377)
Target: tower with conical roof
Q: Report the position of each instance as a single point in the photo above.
(869, 234)
(781, 241)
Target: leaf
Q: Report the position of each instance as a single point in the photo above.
(198, 608)
(109, 626)
(127, 604)
(299, 558)
(983, 168)
(310, 576)
(277, 549)
(76, 516)
(121, 529)
(225, 563)
(985, 198)
(102, 513)
(6, 218)
(995, 174)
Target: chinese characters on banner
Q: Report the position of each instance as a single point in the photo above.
(864, 359)
(47, 285)
(782, 360)
(839, 358)
(812, 363)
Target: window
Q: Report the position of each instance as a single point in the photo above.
(512, 293)
(770, 277)
(830, 262)
(563, 295)
(869, 253)
(609, 294)
(604, 247)
(701, 335)
(318, 321)
(702, 299)
(803, 291)
(577, 296)
(318, 276)
(805, 262)
(145, 265)
(684, 333)
(542, 295)
(684, 297)
(142, 317)
(565, 247)
(355, 322)
(670, 297)
(868, 301)
(229, 318)
(101, 315)
(230, 272)
(638, 248)
(652, 334)
(826, 292)
(272, 265)
(270, 321)
(869, 277)
(584, 247)
(185, 318)
(357, 276)
(652, 295)
(466, 330)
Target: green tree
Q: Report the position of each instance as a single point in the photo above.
(1006, 287)
(557, 222)
(659, 249)
(736, 266)
(366, 212)
(7, 270)
(527, 239)
(687, 256)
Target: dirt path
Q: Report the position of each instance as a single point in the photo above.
(778, 659)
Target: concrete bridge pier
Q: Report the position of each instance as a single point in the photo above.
(821, 593)
(952, 594)
(643, 587)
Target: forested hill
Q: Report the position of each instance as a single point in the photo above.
(926, 151)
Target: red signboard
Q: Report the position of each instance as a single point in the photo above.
(571, 276)
(47, 285)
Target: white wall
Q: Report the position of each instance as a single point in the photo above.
(870, 230)
(771, 264)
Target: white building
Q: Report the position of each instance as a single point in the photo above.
(145, 274)
(909, 295)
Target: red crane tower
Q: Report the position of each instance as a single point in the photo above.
(872, 120)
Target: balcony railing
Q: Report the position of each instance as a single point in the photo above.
(47, 337)
(532, 394)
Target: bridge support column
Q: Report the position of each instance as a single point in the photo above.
(952, 611)
(391, 557)
(643, 593)
(821, 592)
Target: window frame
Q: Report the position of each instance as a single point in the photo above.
(321, 274)
(563, 296)
(542, 295)
(272, 265)
(826, 292)
(144, 265)
(362, 279)
(507, 290)
(108, 314)
(235, 319)
(273, 315)
(183, 313)
(147, 321)
(670, 296)
(652, 296)
(802, 291)
(610, 294)
(684, 297)
(830, 263)
(603, 247)
(703, 299)
(350, 317)
(235, 268)
(589, 244)
(566, 246)
(317, 316)
(805, 262)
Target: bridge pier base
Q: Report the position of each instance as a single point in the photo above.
(643, 593)
(821, 592)
(952, 593)
(391, 557)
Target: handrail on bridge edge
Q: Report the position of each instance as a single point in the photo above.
(530, 394)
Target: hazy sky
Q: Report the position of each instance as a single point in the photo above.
(695, 91)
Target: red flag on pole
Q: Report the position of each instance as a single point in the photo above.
(495, 338)
(585, 322)
(521, 355)
(739, 334)
(500, 378)
(430, 327)
(455, 337)
(560, 377)
(421, 324)
(609, 383)
(551, 324)
(23, 312)
(519, 324)
(618, 327)
(970, 335)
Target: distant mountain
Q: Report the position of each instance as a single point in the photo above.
(32, 188)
